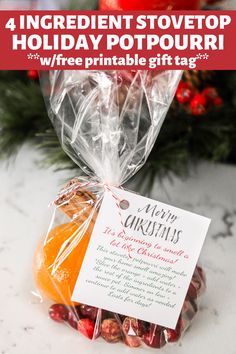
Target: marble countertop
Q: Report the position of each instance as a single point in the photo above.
(25, 192)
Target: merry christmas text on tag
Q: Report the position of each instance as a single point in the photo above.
(140, 258)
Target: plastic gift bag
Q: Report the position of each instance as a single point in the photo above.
(107, 122)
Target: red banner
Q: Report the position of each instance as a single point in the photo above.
(97, 40)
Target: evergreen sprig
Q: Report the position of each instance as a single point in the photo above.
(183, 137)
(22, 112)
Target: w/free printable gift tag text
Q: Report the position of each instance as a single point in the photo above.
(141, 258)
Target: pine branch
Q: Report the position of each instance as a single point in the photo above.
(183, 137)
(22, 114)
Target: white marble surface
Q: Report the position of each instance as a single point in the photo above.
(26, 190)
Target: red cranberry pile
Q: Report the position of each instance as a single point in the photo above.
(113, 328)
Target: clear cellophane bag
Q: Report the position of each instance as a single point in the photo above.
(107, 122)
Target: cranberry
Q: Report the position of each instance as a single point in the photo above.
(198, 110)
(173, 335)
(133, 341)
(58, 313)
(133, 330)
(198, 105)
(192, 292)
(218, 101)
(154, 337)
(210, 93)
(111, 330)
(184, 95)
(200, 287)
(73, 318)
(188, 306)
(201, 273)
(88, 312)
(133, 327)
(198, 284)
(86, 327)
(181, 84)
(189, 310)
(199, 99)
(33, 75)
(185, 306)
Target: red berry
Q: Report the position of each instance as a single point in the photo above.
(154, 337)
(86, 327)
(192, 292)
(33, 74)
(199, 110)
(184, 84)
(73, 318)
(197, 285)
(111, 330)
(218, 101)
(184, 94)
(198, 105)
(189, 310)
(198, 99)
(199, 280)
(210, 93)
(173, 335)
(185, 306)
(88, 312)
(133, 341)
(58, 313)
(133, 330)
(133, 327)
(181, 84)
(200, 272)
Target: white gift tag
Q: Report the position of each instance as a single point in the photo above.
(141, 258)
